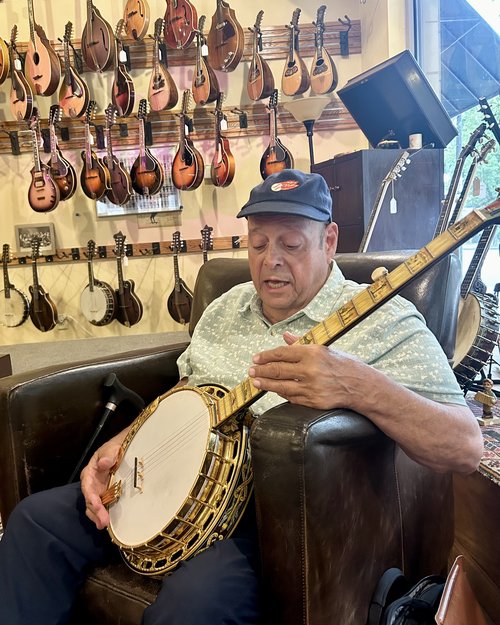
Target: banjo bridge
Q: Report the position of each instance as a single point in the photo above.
(138, 474)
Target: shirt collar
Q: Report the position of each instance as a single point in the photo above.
(318, 308)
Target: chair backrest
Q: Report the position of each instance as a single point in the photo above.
(435, 293)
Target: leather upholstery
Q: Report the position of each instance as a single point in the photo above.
(337, 502)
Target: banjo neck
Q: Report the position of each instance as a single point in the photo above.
(367, 301)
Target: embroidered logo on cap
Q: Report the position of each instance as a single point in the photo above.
(285, 185)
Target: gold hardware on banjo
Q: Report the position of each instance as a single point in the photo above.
(184, 477)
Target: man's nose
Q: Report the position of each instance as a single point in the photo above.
(273, 256)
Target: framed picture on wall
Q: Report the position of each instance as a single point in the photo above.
(167, 200)
(25, 234)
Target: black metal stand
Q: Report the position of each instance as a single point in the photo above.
(118, 394)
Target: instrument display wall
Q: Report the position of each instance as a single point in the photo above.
(64, 274)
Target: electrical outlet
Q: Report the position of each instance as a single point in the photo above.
(62, 322)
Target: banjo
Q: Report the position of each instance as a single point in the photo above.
(97, 300)
(184, 476)
(14, 305)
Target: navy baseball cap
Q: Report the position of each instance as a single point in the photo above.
(291, 192)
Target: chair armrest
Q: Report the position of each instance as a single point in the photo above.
(337, 504)
(48, 415)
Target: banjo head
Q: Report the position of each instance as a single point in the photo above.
(160, 465)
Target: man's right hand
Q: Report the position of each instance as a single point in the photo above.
(95, 477)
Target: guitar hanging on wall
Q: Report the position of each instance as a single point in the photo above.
(94, 177)
(188, 167)
(14, 305)
(181, 21)
(122, 90)
(129, 307)
(324, 76)
(21, 93)
(276, 156)
(260, 81)
(42, 65)
(295, 78)
(223, 165)
(226, 39)
(98, 298)
(147, 172)
(61, 170)
(162, 91)
(98, 41)
(205, 85)
(74, 94)
(43, 192)
(42, 310)
(136, 19)
(120, 184)
(181, 298)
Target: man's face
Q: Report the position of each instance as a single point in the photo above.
(289, 261)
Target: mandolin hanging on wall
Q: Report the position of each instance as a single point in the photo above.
(73, 94)
(295, 78)
(188, 167)
(61, 170)
(162, 91)
(98, 40)
(136, 19)
(205, 85)
(181, 298)
(129, 307)
(21, 93)
(226, 39)
(276, 156)
(181, 22)
(223, 166)
(42, 310)
(324, 75)
(94, 177)
(260, 81)
(147, 172)
(42, 65)
(122, 90)
(120, 184)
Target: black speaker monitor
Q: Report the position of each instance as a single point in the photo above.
(394, 100)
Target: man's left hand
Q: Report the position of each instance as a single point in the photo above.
(310, 375)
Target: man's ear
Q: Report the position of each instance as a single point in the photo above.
(331, 239)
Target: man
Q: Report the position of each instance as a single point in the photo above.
(389, 368)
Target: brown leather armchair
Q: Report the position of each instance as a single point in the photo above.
(337, 501)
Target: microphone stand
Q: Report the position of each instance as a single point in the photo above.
(118, 394)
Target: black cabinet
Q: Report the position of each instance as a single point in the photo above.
(355, 180)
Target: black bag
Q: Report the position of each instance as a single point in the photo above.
(395, 603)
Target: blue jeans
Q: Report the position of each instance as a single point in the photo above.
(49, 546)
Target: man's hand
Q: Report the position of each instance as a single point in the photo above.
(95, 477)
(310, 375)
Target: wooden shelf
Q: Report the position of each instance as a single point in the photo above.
(135, 250)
